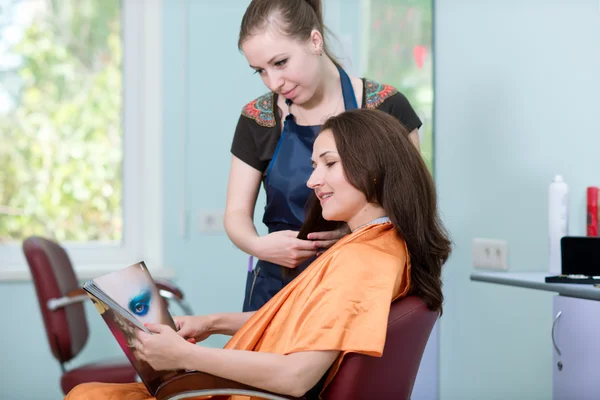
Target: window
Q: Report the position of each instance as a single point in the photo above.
(397, 50)
(79, 84)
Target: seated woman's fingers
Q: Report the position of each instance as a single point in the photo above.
(178, 322)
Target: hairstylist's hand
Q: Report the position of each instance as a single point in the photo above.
(193, 328)
(284, 248)
(324, 240)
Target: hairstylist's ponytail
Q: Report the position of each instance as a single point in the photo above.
(317, 6)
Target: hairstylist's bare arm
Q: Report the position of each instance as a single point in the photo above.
(414, 138)
(242, 190)
(283, 248)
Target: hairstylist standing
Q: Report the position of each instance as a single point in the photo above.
(283, 41)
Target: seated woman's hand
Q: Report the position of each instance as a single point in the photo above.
(284, 248)
(164, 349)
(193, 328)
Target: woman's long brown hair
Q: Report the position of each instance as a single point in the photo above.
(379, 160)
(313, 222)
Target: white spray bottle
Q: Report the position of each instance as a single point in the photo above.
(558, 221)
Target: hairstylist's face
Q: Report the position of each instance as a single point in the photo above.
(339, 199)
(287, 66)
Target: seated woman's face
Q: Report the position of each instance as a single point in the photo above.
(339, 199)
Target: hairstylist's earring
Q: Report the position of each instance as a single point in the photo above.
(375, 181)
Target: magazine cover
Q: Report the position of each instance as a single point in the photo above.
(126, 300)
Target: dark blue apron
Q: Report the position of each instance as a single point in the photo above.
(287, 195)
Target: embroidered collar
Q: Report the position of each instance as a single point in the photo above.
(380, 220)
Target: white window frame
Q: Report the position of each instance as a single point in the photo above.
(142, 160)
(365, 35)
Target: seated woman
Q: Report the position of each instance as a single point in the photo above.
(367, 174)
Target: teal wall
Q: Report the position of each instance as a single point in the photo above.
(517, 86)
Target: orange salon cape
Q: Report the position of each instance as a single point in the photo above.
(340, 302)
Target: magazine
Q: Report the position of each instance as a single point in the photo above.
(126, 300)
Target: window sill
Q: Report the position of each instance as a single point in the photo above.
(84, 273)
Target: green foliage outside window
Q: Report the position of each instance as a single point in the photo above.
(61, 141)
(400, 54)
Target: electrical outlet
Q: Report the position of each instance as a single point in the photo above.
(211, 221)
(490, 254)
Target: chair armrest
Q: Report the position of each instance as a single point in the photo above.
(195, 384)
(163, 284)
(76, 296)
(170, 291)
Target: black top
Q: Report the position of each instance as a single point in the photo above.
(259, 127)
